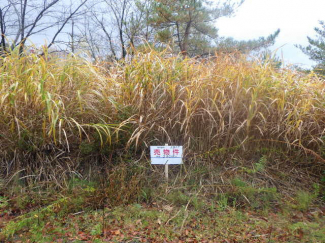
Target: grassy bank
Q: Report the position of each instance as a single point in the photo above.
(178, 212)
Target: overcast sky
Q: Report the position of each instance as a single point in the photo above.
(295, 18)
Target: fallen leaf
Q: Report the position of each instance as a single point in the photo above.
(116, 232)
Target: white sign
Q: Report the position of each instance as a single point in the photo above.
(166, 155)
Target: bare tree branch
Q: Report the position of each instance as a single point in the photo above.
(64, 23)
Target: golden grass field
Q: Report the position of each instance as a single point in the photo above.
(204, 105)
(75, 137)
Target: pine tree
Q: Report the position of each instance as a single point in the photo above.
(190, 26)
(188, 23)
(316, 48)
(228, 45)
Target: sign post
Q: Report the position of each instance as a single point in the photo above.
(166, 171)
(166, 155)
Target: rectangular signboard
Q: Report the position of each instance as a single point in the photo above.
(166, 155)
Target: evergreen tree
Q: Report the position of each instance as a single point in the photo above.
(228, 45)
(316, 48)
(188, 23)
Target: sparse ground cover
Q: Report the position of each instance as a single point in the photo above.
(165, 222)
(74, 143)
(237, 210)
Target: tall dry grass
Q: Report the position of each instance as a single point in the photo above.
(223, 102)
(50, 104)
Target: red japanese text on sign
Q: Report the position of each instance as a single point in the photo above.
(156, 152)
(176, 151)
(166, 152)
(166, 155)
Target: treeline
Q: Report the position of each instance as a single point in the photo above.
(110, 29)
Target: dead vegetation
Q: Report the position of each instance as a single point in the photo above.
(252, 134)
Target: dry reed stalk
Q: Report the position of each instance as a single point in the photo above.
(206, 106)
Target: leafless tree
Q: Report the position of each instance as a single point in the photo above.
(35, 17)
(122, 24)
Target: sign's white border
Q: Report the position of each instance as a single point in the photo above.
(166, 155)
